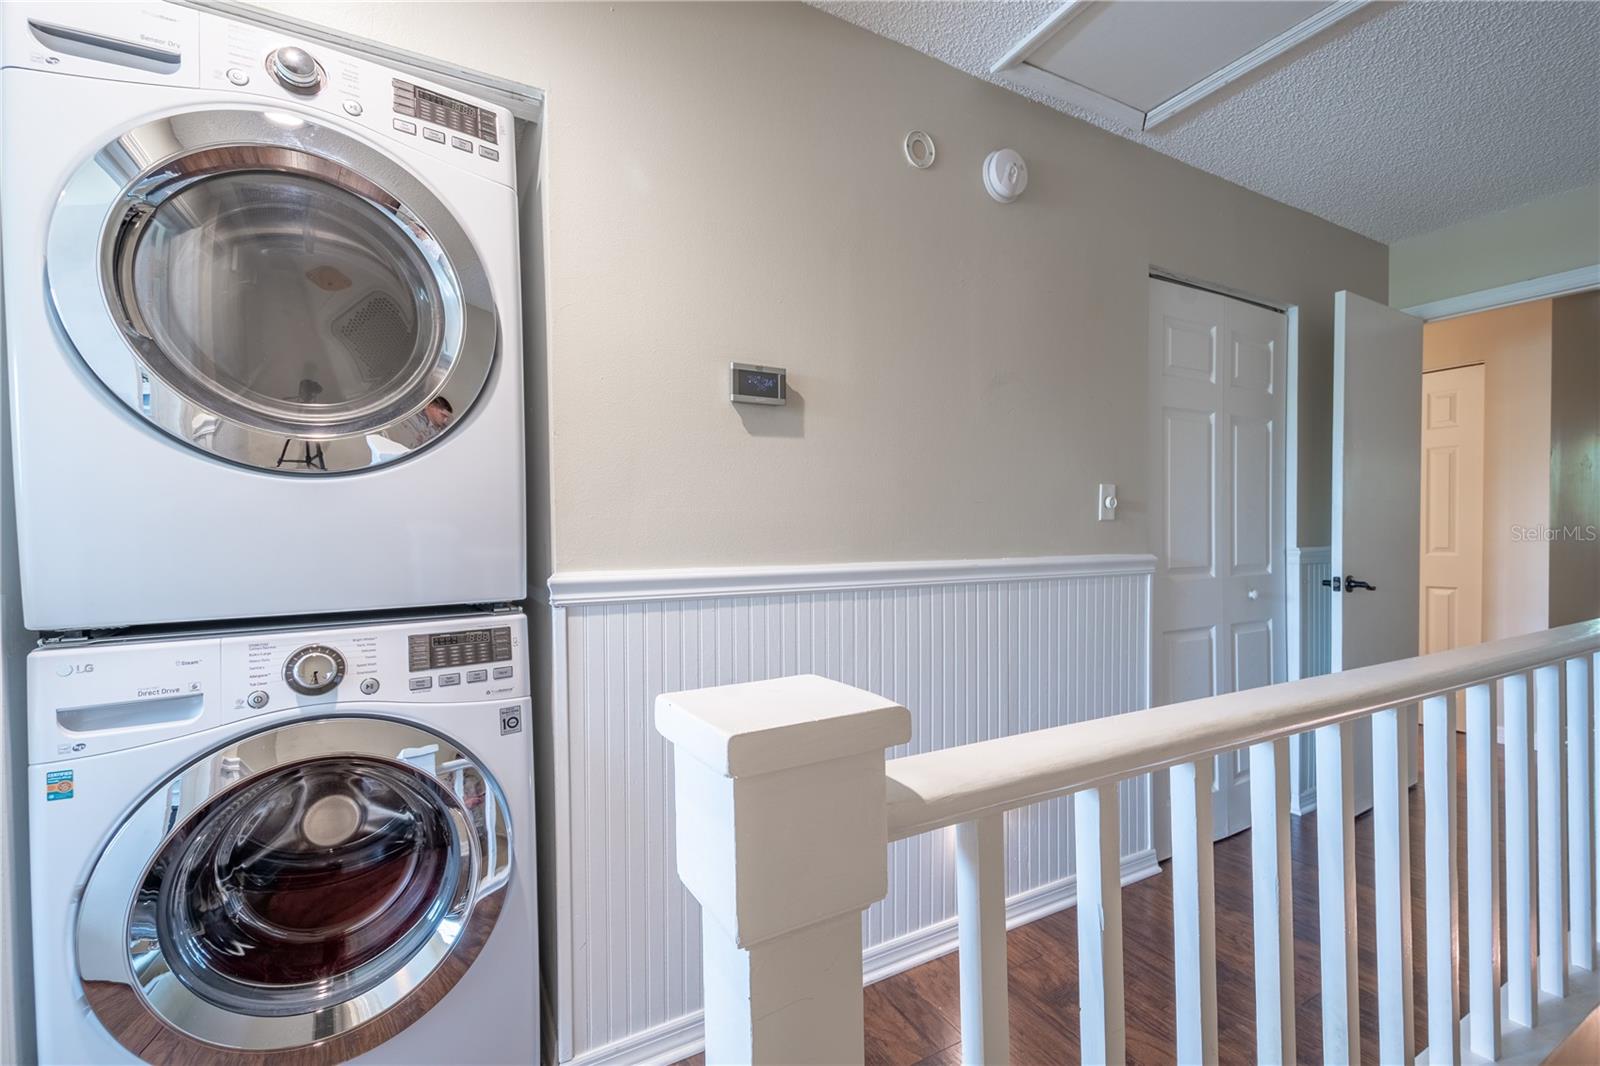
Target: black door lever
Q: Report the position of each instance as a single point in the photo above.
(1351, 584)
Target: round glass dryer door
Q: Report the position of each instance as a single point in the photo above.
(271, 291)
(291, 890)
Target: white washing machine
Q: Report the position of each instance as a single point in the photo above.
(262, 316)
(301, 846)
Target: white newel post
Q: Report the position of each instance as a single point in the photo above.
(781, 835)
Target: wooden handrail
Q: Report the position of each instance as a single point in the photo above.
(960, 784)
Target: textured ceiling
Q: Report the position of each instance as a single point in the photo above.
(1400, 120)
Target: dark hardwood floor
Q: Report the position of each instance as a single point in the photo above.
(914, 1017)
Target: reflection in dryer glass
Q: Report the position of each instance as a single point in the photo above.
(285, 300)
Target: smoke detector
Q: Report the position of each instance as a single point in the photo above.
(1005, 175)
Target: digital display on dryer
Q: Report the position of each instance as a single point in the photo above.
(441, 110)
(462, 647)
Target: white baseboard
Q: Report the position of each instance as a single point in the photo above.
(667, 1043)
(682, 1037)
(926, 944)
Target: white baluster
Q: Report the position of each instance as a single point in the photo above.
(1522, 1001)
(1483, 872)
(1391, 877)
(1580, 844)
(1101, 1021)
(1194, 919)
(1273, 903)
(981, 907)
(1439, 832)
(1336, 893)
(1548, 745)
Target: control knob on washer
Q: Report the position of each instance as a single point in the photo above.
(314, 669)
(295, 69)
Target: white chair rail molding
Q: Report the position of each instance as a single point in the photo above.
(785, 805)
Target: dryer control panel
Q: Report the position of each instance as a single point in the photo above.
(167, 44)
(92, 697)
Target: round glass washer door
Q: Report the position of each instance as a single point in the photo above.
(268, 289)
(289, 905)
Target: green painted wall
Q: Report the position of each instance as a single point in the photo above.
(1538, 238)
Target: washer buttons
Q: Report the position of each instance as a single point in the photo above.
(502, 672)
(421, 684)
(238, 76)
(369, 685)
(436, 136)
(474, 676)
(461, 143)
(449, 679)
(487, 152)
(257, 699)
(405, 126)
(352, 107)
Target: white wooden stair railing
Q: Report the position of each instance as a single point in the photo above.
(785, 804)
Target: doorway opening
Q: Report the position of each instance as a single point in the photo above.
(1510, 531)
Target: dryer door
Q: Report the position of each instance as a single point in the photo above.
(320, 884)
(271, 290)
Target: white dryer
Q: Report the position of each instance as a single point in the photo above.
(262, 320)
(305, 846)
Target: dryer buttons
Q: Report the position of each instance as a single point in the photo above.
(369, 686)
(257, 699)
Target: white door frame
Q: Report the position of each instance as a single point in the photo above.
(1161, 827)
(1548, 287)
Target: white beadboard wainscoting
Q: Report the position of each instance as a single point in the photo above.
(975, 649)
(1310, 655)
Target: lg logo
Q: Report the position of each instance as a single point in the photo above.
(71, 669)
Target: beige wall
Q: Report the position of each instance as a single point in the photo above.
(1575, 458)
(1514, 345)
(725, 182)
(1542, 237)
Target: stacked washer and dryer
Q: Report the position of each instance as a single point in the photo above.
(266, 398)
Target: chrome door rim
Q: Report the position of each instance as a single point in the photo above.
(111, 195)
(131, 967)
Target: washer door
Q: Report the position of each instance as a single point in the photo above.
(310, 891)
(271, 291)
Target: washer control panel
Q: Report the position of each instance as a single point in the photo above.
(99, 696)
(463, 647)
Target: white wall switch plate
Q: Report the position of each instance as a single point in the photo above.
(1106, 508)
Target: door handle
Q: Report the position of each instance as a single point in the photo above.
(1335, 583)
(1351, 584)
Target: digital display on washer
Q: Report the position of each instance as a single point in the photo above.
(441, 110)
(463, 647)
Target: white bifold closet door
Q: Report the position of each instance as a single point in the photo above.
(1217, 373)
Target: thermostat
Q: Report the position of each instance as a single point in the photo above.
(758, 384)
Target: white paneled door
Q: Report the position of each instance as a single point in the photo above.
(1377, 492)
(1217, 372)
(1450, 601)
